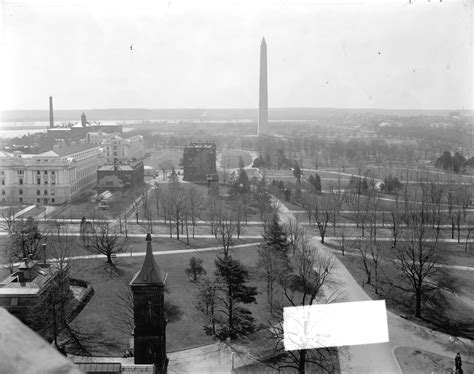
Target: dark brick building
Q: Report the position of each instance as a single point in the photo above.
(112, 177)
(199, 160)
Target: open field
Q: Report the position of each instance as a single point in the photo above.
(188, 332)
(230, 159)
(166, 158)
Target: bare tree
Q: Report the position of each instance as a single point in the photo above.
(195, 205)
(206, 303)
(238, 214)
(214, 212)
(53, 316)
(395, 226)
(295, 233)
(364, 250)
(147, 214)
(24, 239)
(322, 215)
(157, 190)
(302, 285)
(226, 230)
(342, 240)
(417, 256)
(107, 241)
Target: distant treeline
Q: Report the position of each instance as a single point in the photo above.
(208, 114)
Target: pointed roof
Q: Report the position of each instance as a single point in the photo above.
(150, 273)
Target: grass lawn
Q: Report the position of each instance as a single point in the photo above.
(419, 361)
(186, 333)
(230, 159)
(165, 158)
(454, 316)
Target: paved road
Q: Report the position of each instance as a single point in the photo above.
(142, 254)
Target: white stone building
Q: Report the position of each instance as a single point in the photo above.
(53, 177)
(118, 149)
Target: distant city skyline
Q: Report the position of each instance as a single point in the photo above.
(178, 54)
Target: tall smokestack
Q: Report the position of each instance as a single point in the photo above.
(51, 115)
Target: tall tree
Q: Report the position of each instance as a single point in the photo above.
(302, 285)
(232, 292)
(273, 254)
(417, 256)
(315, 183)
(195, 268)
(206, 303)
(297, 172)
(322, 215)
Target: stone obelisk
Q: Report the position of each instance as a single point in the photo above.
(263, 92)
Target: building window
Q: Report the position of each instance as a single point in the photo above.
(21, 180)
(38, 172)
(52, 192)
(38, 181)
(21, 192)
(38, 192)
(38, 200)
(21, 199)
(45, 201)
(45, 182)
(46, 171)
(20, 172)
(52, 172)
(3, 182)
(52, 200)
(45, 192)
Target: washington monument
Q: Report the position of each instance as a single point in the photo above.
(263, 93)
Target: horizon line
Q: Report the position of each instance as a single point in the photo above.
(244, 108)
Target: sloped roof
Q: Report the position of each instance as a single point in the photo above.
(150, 273)
(70, 149)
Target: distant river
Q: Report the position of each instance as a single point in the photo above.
(16, 129)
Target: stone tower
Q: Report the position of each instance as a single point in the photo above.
(263, 92)
(83, 119)
(150, 323)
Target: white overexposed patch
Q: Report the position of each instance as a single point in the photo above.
(333, 325)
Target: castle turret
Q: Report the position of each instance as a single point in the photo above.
(148, 307)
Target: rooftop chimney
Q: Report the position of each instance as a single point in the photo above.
(51, 116)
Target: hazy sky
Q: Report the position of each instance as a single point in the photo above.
(205, 54)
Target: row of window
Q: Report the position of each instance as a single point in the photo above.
(38, 181)
(38, 192)
(38, 200)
